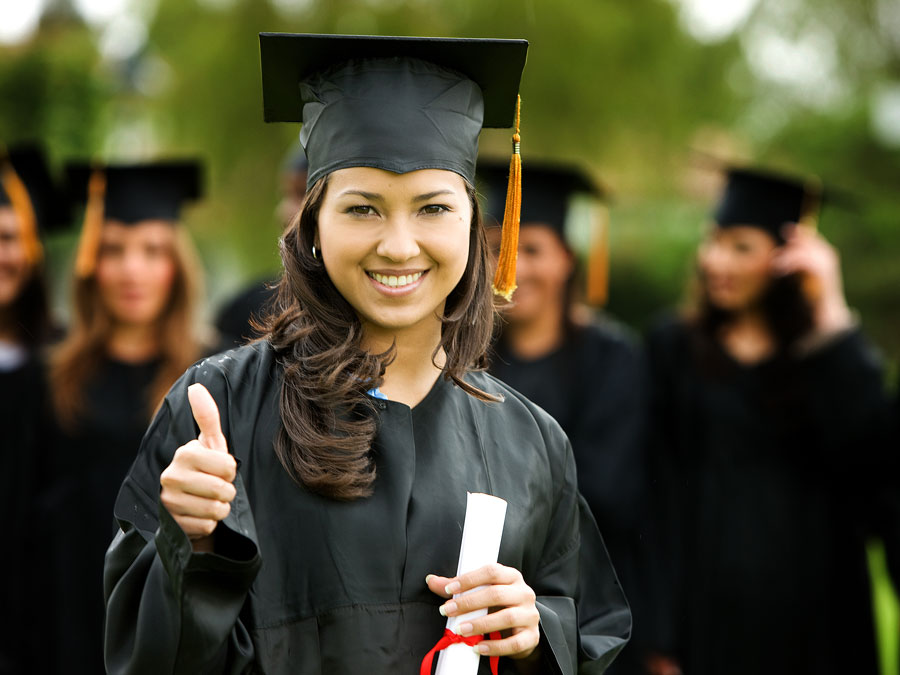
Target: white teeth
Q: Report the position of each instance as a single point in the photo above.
(395, 281)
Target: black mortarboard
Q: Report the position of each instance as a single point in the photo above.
(46, 198)
(397, 103)
(766, 200)
(136, 192)
(394, 103)
(128, 193)
(547, 190)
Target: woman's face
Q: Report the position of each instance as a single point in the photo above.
(14, 268)
(735, 266)
(395, 245)
(543, 269)
(136, 270)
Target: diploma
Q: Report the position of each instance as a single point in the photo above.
(480, 546)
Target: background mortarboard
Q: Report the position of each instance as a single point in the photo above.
(136, 192)
(767, 200)
(547, 190)
(51, 208)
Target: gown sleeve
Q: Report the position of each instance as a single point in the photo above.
(170, 610)
(585, 619)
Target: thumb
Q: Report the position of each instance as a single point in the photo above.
(206, 414)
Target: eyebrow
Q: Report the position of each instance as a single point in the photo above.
(375, 197)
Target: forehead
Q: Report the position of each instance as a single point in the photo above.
(743, 233)
(139, 231)
(388, 184)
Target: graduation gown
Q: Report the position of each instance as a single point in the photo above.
(23, 400)
(594, 386)
(87, 464)
(301, 583)
(761, 473)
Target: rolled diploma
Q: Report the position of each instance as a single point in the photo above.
(480, 546)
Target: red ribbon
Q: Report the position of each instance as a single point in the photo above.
(451, 638)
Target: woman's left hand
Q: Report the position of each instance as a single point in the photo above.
(807, 252)
(505, 592)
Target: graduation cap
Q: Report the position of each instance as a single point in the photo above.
(767, 200)
(27, 186)
(130, 194)
(547, 193)
(397, 103)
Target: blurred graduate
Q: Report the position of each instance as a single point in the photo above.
(768, 410)
(31, 204)
(134, 331)
(238, 316)
(313, 524)
(584, 370)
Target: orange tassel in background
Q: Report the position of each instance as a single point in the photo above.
(89, 243)
(21, 204)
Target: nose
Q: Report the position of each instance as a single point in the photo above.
(398, 241)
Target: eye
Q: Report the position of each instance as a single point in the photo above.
(743, 247)
(434, 209)
(361, 210)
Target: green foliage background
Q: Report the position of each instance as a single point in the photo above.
(619, 86)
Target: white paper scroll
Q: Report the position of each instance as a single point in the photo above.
(480, 546)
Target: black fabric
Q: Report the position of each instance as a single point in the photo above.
(136, 192)
(766, 200)
(23, 418)
(86, 466)
(547, 190)
(399, 104)
(762, 507)
(233, 319)
(340, 587)
(51, 208)
(594, 386)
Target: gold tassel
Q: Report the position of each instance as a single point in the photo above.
(598, 258)
(89, 243)
(505, 277)
(21, 204)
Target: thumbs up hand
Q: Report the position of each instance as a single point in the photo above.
(197, 487)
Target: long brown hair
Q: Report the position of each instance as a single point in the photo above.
(328, 421)
(80, 355)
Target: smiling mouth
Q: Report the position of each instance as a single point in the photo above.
(395, 281)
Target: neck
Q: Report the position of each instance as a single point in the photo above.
(537, 336)
(133, 343)
(412, 373)
(747, 336)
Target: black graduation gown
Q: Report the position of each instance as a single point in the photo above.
(23, 421)
(304, 584)
(87, 466)
(761, 473)
(233, 319)
(594, 386)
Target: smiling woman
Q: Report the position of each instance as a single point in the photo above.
(361, 420)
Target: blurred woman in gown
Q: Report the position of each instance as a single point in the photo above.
(133, 333)
(768, 409)
(30, 205)
(584, 370)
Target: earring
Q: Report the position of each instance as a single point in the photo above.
(314, 252)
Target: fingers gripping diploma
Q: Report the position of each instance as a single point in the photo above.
(511, 605)
(197, 487)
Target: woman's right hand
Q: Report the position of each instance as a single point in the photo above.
(198, 486)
